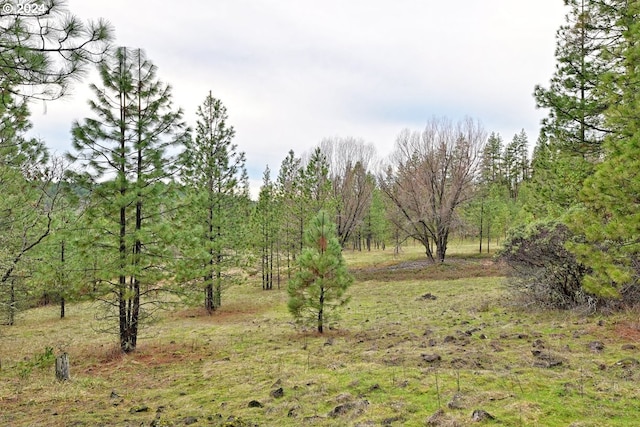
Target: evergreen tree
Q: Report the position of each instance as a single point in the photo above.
(320, 284)
(610, 213)
(266, 222)
(491, 167)
(314, 191)
(287, 192)
(59, 273)
(213, 171)
(556, 180)
(29, 200)
(574, 97)
(572, 135)
(43, 48)
(376, 224)
(122, 153)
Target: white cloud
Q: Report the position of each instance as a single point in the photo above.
(293, 72)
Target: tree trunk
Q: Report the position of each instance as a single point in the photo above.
(481, 218)
(208, 296)
(62, 367)
(12, 303)
(321, 311)
(62, 307)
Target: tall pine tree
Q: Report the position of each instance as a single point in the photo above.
(215, 179)
(122, 154)
(610, 212)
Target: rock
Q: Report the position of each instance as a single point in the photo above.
(436, 418)
(341, 410)
(428, 297)
(538, 343)
(545, 360)
(392, 420)
(449, 338)
(189, 420)
(479, 415)
(277, 393)
(430, 358)
(255, 404)
(596, 346)
(357, 407)
(114, 395)
(629, 347)
(456, 402)
(137, 409)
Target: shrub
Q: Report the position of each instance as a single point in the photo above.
(543, 272)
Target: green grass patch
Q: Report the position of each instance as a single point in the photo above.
(415, 338)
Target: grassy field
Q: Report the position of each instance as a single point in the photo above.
(418, 345)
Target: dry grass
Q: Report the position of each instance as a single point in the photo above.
(371, 370)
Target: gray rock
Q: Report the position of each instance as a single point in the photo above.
(430, 358)
(596, 346)
(480, 415)
(277, 393)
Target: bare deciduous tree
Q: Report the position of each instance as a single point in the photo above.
(429, 175)
(350, 163)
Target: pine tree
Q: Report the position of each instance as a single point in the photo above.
(314, 191)
(60, 270)
(556, 180)
(576, 127)
(213, 171)
(320, 284)
(122, 153)
(28, 203)
(610, 214)
(376, 224)
(574, 97)
(43, 48)
(491, 167)
(516, 163)
(266, 222)
(287, 192)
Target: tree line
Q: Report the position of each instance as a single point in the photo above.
(145, 205)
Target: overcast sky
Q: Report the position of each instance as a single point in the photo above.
(294, 72)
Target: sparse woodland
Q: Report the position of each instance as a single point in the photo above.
(442, 261)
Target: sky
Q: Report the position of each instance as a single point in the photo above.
(294, 72)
